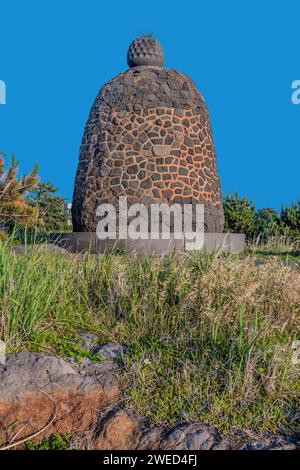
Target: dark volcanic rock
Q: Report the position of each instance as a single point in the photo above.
(194, 437)
(148, 137)
(34, 388)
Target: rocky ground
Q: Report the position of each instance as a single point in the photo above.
(42, 394)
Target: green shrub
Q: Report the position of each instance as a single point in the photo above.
(290, 219)
(50, 207)
(239, 215)
(54, 442)
(267, 224)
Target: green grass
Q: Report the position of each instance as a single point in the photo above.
(279, 247)
(54, 442)
(209, 336)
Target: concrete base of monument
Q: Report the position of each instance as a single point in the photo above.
(80, 242)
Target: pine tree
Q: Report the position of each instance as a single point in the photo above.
(14, 209)
(50, 206)
(290, 216)
(239, 215)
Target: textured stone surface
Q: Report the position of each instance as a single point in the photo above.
(121, 430)
(87, 241)
(272, 443)
(193, 437)
(90, 342)
(35, 387)
(84, 400)
(148, 137)
(110, 351)
(145, 51)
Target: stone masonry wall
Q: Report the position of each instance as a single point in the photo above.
(148, 137)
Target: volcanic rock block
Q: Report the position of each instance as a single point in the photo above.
(36, 388)
(119, 430)
(122, 429)
(148, 137)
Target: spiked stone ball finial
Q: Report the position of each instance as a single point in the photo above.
(145, 51)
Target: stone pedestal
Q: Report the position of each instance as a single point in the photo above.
(88, 242)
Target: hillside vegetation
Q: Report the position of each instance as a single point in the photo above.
(210, 336)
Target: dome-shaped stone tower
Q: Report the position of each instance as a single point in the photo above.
(148, 137)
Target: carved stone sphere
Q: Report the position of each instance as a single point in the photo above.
(145, 51)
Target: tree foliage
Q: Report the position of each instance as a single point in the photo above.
(50, 206)
(290, 216)
(14, 208)
(241, 216)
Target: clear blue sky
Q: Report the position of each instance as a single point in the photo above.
(55, 56)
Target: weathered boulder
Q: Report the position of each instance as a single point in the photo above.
(35, 388)
(122, 429)
(194, 437)
(40, 392)
(110, 351)
(90, 342)
(272, 443)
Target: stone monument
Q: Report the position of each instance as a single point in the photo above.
(148, 137)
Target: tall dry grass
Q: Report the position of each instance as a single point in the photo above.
(210, 337)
